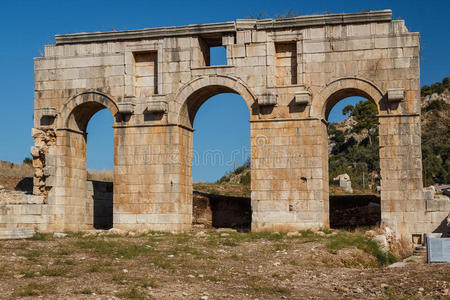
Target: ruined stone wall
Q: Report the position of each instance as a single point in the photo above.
(289, 72)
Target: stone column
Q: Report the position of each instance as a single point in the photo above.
(70, 188)
(150, 188)
(402, 201)
(289, 177)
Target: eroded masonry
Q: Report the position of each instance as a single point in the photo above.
(290, 73)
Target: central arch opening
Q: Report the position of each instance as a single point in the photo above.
(221, 160)
(91, 143)
(353, 160)
(99, 166)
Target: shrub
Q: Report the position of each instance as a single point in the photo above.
(27, 161)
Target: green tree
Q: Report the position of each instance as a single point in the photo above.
(348, 109)
(365, 114)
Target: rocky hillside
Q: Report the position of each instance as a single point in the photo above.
(436, 133)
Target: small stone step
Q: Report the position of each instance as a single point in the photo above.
(420, 251)
(16, 233)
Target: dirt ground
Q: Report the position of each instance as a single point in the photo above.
(211, 265)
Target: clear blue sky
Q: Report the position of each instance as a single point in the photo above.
(26, 26)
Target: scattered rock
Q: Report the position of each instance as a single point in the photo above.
(414, 259)
(59, 235)
(321, 233)
(294, 233)
(399, 264)
(370, 233)
(116, 231)
(224, 234)
(226, 230)
(384, 286)
(125, 270)
(382, 242)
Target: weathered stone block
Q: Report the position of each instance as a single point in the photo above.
(156, 106)
(302, 98)
(126, 108)
(49, 112)
(267, 99)
(396, 95)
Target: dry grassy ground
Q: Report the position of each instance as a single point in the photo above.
(225, 189)
(212, 265)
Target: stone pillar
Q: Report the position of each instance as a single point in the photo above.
(402, 201)
(70, 192)
(289, 176)
(150, 187)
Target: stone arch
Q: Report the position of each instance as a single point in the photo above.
(193, 94)
(83, 207)
(78, 110)
(341, 88)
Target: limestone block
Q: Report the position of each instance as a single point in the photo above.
(126, 108)
(396, 94)
(441, 203)
(16, 233)
(302, 98)
(50, 112)
(156, 106)
(267, 99)
(34, 151)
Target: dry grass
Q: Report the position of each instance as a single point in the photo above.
(9, 169)
(402, 248)
(224, 189)
(105, 175)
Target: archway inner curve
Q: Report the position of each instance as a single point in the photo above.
(79, 109)
(191, 96)
(342, 88)
(340, 95)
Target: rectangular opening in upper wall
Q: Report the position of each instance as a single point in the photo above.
(214, 53)
(146, 73)
(218, 56)
(285, 63)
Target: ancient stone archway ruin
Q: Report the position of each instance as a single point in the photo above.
(290, 72)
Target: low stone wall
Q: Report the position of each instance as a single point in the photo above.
(437, 209)
(100, 204)
(20, 209)
(16, 233)
(222, 211)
